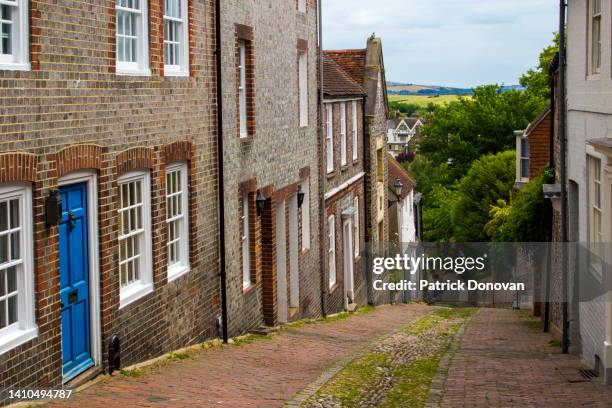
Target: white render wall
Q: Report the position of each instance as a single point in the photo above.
(589, 103)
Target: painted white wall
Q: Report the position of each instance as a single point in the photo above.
(589, 104)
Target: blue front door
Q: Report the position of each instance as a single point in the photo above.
(74, 280)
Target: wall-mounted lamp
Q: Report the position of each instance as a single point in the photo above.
(399, 186)
(53, 209)
(300, 196)
(260, 201)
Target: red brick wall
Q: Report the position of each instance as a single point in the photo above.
(539, 147)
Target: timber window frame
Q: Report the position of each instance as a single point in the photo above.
(17, 293)
(329, 136)
(132, 37)
(595, 36)
(177, 220)
(343, 135)
(354, 130)
(176, 38)
(14, 35)
(135, 250)
(331, 251)
(245, 241)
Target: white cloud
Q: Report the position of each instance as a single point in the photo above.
(446, 42)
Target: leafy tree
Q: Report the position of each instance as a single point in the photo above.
(407, 109)
(438, 214)
(524, 220)
(427, 174)
(537, 80)
(488, 180)
(461, 132)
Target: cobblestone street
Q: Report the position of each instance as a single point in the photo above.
(498, 359)
(264, 373)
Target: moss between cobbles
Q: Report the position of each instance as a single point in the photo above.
(413, 383)
(363, 373)
(410, 380)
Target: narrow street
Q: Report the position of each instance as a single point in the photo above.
(498, 359)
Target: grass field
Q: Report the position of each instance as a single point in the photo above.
(423, 100)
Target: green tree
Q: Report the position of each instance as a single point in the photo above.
(427, 174)
(438, 214)
(537, 80)
(461, 132)
(524, 220)
(489, 179)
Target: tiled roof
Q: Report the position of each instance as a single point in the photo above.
(397, 171)
(336, 82)
(351, 61)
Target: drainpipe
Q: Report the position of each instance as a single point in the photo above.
(563, 136)
(220, 183)
(551, 155)
(322, 168)
(366, 212)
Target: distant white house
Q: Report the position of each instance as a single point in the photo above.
(402, 131)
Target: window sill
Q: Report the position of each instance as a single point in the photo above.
(357, 258)
(331, 174)
(333, 288)
(305, 251)
(177, 271)
(134, 292)
(173, 72)
(133, 72)
(16, 338)
(344, 167)
(593, 77)
(15, 66)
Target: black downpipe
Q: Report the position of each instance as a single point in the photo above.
(220, 183)
(562, 134)
(322, 169)
(551, 155)
(366, 212)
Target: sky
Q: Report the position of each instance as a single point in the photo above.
(461, 43)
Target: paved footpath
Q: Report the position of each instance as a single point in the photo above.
(502, 362)
(264, 373)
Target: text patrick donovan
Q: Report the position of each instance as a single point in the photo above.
(448, 285)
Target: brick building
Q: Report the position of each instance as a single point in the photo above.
(533, 148)
(271, 161)
(112, 109)
(343, 103)
(366, 67)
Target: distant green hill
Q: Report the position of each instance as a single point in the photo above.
(398, 88)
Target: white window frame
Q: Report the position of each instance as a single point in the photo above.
(25, 328)
(331, 251)
(521, 157)
(306, 215)
(182, 68)
(19, 59)
(141, 66)
(354, 127)
(356, 224)
(595, 199)
(595, 34)
(329, 136)
(143, 286)
(242, 90)
(343, 135)
(247, 278)
(302, 6)
(183, 266)
(303, 87)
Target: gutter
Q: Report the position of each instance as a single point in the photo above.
(322, 169)
(220, 175)
(563, 158)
